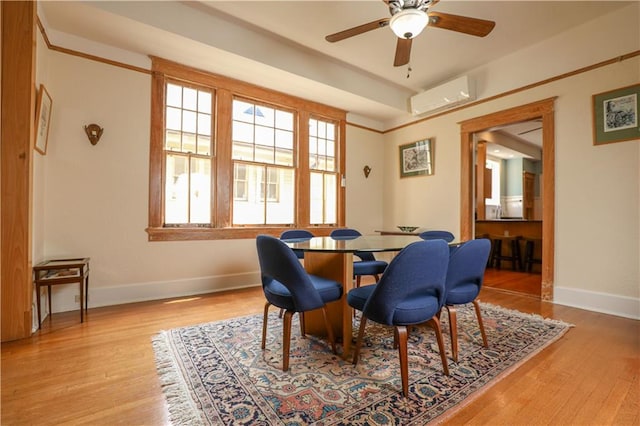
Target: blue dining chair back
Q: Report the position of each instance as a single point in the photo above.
(437, 235)
(467, 265)
(287, 285)
(368, 264)
(296, 235)
(410, 291)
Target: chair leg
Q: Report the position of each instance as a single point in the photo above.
(286, 339)
(264, 324)
(435, 323)
(401, 332)
(356, 350)
(327, 324)
(453, 331)
(480, 323)
(301, 318)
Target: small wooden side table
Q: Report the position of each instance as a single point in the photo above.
(63, 271)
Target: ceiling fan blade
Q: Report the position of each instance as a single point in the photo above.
(403, 52)
(357, 30)
(462, 24)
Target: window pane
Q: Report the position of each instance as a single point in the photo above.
(330, 199)
(316, 204)
(242, 111)
(280, 196)
(172, 140)
(265, 154)
(284, 120)
(242, 151)
(284, 139)
(265, 136)
(204, 145)
(313, 127)
(188, 121)
(174, 119)
(284, 157)
(264, 116)
(331, 131)
(322, 147)
(204, 124)
(174, 95)
(189, 98)
(331, 148)
(200, 208)
(242, 132)
(313, 145)
(204, 102)
(322, 129)
(250, 210)
(176, 190)
(188, 142)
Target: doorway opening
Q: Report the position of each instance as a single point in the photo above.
(544, 111)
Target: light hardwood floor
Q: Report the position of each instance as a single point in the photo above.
(102, 372)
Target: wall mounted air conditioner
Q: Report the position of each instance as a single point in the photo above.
(445, 96)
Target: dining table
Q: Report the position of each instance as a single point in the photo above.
(332, 257)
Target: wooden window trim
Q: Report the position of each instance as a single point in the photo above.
(225, 90)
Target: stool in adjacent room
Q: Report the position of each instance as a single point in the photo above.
(530, 245)
(497, 254)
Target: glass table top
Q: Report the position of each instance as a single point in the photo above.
(371, 243)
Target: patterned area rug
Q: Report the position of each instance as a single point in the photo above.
(216, 373)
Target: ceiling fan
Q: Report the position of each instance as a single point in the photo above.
(409, 18)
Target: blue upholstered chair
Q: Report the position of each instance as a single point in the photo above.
(467, 264)
(296, 235)
(288, 286)
(411, 291)
(437, 235)
(367, 265)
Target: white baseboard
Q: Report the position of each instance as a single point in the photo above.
(140, 292)
(605, 303)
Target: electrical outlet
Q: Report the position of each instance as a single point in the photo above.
(77, 299)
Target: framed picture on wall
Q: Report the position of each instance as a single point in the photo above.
(417, 158)
(43, 117)
(615, 115)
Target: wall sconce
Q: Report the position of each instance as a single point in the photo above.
(366, 171)
(94, 132)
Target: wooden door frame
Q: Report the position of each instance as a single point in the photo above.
(543, 109)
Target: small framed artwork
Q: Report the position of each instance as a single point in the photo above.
(417, 158)
(615, 115)
(43, 118)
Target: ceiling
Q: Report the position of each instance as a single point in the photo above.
(281, 45)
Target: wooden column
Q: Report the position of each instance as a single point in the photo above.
(481, 161)
(17, 119)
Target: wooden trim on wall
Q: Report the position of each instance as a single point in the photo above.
(18, 123)
(543, 109)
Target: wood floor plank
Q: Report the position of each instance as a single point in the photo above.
(102, 371)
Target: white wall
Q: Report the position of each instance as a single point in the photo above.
(364, 195)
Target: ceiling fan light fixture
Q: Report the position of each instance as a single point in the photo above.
(408, 23)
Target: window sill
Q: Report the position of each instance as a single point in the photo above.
(198, 234)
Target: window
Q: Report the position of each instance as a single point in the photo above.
(495, 183)
(262, 138)
(324, 173)
(187, 147)
(231, 160)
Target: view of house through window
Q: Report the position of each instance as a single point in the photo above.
(264, 169)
